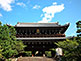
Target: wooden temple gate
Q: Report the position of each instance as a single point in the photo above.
(40, 36)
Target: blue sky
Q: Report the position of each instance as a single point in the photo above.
(62, 11)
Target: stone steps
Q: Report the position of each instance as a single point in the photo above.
(35, 59)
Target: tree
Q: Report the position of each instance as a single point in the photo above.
(78, 24)
(10, 46)
(70, 48)
(79, 28)
(78, 39)
(1, 52)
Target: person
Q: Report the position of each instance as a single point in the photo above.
(58, 54)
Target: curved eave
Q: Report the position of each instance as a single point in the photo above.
(46, 38)
(9, 25)
(65, 27)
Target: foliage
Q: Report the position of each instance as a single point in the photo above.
(79, 28)
(8, 60)
(70, 48)
(1, 52)
(48, 53)
(28, 53)
(10, 46)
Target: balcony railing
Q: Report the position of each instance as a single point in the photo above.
(55, 35)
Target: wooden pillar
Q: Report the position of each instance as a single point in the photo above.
(53, 53)
(33, 53)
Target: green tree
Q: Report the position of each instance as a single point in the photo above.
(79, 28)
(1, 52)
(70, 48)
(78, 38)
(10, 46)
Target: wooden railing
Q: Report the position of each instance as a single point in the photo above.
(55, 35)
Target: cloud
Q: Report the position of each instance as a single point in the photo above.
(0, 15)
(6, 4)
(36, 7)
(55, 3)
(50, 11)
(21, 4)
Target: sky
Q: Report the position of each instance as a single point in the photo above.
(42, 11)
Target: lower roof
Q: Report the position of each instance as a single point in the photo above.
(45, 38)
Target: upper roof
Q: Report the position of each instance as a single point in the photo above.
(42, 25)
(39, 24)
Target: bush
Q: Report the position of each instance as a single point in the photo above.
(28, 53)
(48, 53)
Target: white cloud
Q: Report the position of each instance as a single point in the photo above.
(50, 11)
(36, 7)
(6, 4)
(54, 3)
(0, 15)
(21, 4)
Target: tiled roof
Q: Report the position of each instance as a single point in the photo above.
(44, 38)
(38, 24)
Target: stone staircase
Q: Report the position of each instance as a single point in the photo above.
(35, 59)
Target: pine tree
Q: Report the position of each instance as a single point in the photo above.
(79, 28)
(78, 39)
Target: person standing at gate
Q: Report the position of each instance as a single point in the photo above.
(58, 54)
